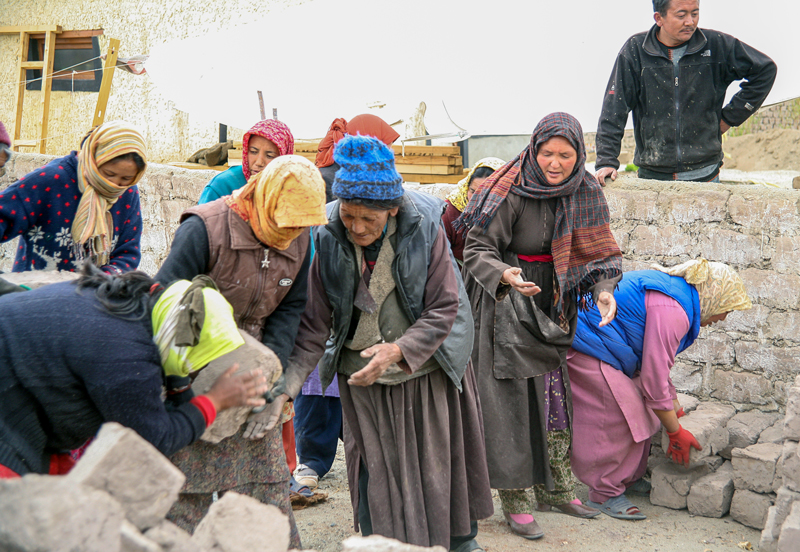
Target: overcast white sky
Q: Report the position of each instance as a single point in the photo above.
(499, 66)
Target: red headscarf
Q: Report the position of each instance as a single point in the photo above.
(365, 125)
(274, 131)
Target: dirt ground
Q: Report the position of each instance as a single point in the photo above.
(776, 149)
(324, 526)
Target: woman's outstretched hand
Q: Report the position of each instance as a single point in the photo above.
(233, 389)
(513, 277)
(607, 306)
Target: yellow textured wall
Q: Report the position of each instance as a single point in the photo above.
(139, 25)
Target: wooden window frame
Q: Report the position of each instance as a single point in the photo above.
(85, 42)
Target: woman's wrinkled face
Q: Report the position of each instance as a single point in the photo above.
(557, 159)
(364, 225)
(121, 172)
(260, 152)
(715, 318)
(474, 185)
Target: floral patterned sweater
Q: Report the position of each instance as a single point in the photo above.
(40, 207)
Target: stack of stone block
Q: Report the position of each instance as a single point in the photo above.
(782, 526)
(738, 470)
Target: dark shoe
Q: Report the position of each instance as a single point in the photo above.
(576, 510)
(469, 546)
(530, 531)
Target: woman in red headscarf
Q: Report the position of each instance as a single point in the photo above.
(365, 125)
(265, 141)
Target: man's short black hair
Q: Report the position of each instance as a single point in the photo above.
(661, 6)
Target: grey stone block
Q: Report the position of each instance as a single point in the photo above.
(745, 428)
(170, 537)
(252, 355)
(40, 512)
(707, 424)
(789, 540)
(754, 467)
(377, 543)
(688, 403)
(711, 495)
(132, 540)
(770, 533)
(749, 508)
(671, 484)
(790, 466)
(791, 423)
(38, 278)
(238, 523)
(130, 469)
(773, 434)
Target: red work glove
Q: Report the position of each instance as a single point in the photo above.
(679, 443)
(680, 412)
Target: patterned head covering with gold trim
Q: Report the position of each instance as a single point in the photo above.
(720, 289)
(459, 197)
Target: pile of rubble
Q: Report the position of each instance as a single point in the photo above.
(115, 500)
(748, 467)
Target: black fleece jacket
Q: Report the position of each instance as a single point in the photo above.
(677, 110)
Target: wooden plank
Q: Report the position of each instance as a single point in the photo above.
(426, 150)
(105, 86)
(234, 154)
(444, 160)
(30, 29)
(238, 144)
(234, 162)
(198, 166)
(25, 143)
(432, 178)
(428, 169)
(20, 97)
(70, 34)
(47, 85)
(32, 65)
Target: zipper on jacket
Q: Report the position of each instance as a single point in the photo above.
(259, 291)
(678, 156)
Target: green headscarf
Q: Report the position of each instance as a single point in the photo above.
(179, 312)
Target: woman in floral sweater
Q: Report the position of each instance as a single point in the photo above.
(82, 206)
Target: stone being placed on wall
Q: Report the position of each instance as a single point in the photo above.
(170, 537)
(378, 543)
(789, 540)
(707, 424)
(238, 523)
(671, 484)
(40, 512)
(749, 508)
(688, 403)
(754, 467)
(131, 470)
(711, 495)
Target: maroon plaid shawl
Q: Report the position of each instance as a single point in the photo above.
(584, 250)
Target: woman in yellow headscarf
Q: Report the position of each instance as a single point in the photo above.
(620, 374)
(255, 244)
(82, 206)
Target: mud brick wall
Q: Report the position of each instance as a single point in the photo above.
(749, 360)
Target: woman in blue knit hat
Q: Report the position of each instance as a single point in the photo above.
(388, 316)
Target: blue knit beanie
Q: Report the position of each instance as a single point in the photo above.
(367, 170)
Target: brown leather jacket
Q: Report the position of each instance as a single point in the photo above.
(252, 277)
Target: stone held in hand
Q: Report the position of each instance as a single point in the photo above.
(708, 425)
(253, 354)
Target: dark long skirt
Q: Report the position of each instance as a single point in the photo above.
(423, 445)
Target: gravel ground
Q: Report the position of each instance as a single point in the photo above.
(324, 526)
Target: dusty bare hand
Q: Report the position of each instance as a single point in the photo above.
(607, 306)
(261, 423)
(238, 390)
(604, 173)
(383, 355)
(723, 127)
(513, 277)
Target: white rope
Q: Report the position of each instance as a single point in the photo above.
(17, 83)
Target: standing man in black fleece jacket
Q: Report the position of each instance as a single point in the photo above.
(674, 78)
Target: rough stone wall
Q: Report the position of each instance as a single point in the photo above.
(749, 360)
(781, 115)
(171, 135)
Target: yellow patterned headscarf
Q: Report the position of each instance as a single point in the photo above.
(92, 227)
(282, 200)
(720, 289)
(459, 197)
(218, 335)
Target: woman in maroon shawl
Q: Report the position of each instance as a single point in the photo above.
(539, 248)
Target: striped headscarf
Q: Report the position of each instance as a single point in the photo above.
(92, 228)
(584, 250)
(274, 131)
(459, 197)
(283, 199)
(720, 289)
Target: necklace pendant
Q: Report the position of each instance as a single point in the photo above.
(265, 262)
